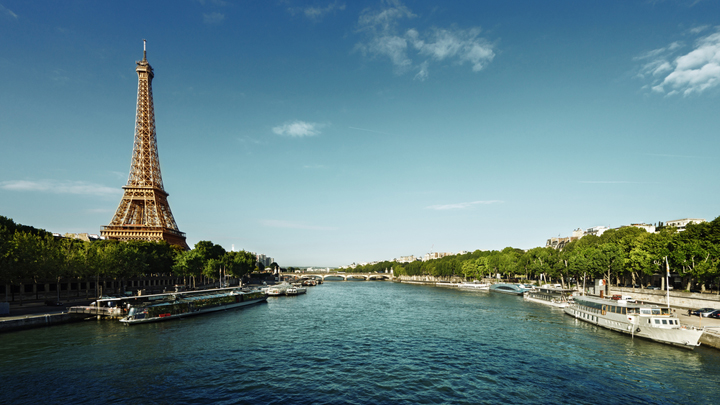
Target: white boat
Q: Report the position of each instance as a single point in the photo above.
(180, 305)
(275, 291)
(475, 286)
(442, 284)
(643, 320)
(547, 295)
(512, 289)
(280, 289)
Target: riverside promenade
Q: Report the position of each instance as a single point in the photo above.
(34, 314)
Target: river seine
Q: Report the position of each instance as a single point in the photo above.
(355, 342)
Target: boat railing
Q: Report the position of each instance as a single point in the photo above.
(93, 310)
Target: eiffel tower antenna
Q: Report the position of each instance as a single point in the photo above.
(144, 213)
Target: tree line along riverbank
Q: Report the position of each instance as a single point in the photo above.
(34, 264)
(627, 256)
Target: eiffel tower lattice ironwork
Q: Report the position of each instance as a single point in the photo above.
(144, 212)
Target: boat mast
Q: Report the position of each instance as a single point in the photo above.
(667, 281)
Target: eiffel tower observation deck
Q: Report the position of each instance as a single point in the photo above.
(144, 212)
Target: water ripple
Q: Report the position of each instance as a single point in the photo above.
(355, 343)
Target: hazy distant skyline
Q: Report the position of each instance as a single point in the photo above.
(331, 132)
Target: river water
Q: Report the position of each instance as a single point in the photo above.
(357, 342)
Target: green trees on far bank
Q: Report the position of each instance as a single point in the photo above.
(627, 255)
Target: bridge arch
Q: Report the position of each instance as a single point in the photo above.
(344, 276)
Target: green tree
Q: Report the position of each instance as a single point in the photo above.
(189, 264)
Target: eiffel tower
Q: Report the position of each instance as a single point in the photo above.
(144, 212)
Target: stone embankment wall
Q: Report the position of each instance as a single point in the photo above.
(428, 279)
(36, 321)
(677, 299)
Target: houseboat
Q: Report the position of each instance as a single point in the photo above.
(474, 286)
(644, 320)
(547, 295)
(513, 289)
(180, 305)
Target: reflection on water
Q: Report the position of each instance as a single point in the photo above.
(355, 342)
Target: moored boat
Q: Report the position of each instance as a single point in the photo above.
(643, 320)
(546, 295)
(513, 289)
(475, 286)
(275, 291)
(181, 305)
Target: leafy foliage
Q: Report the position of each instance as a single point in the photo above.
(27, 253)
(627, 253)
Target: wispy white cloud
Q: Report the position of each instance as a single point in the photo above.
(119, 175)
(6, 12)
(412, 50)
(213, 18)
(274, 223)
(370, 130)
(249, 139)
(59, 76)
(298, 129)
(699, 29)
(460, 206)
(61, 187)
(673, 70)
(458, 44)
(317, 13)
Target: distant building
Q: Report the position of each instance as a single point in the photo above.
(646, 227)
(87, 237)
(436, 255)
(405, 259)
(263, 259)
(680, 224)
(596, 230)
(559, 243)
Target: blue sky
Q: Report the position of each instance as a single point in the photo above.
(330, 132)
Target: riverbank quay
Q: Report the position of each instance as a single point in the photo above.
(681, 302)
(22, 322)
(678, 299)
(36, 314)
(711, 335)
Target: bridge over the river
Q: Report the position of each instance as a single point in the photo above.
(344, 276)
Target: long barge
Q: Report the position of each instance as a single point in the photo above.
(181, 305)
(643, 320)
(554, 297)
